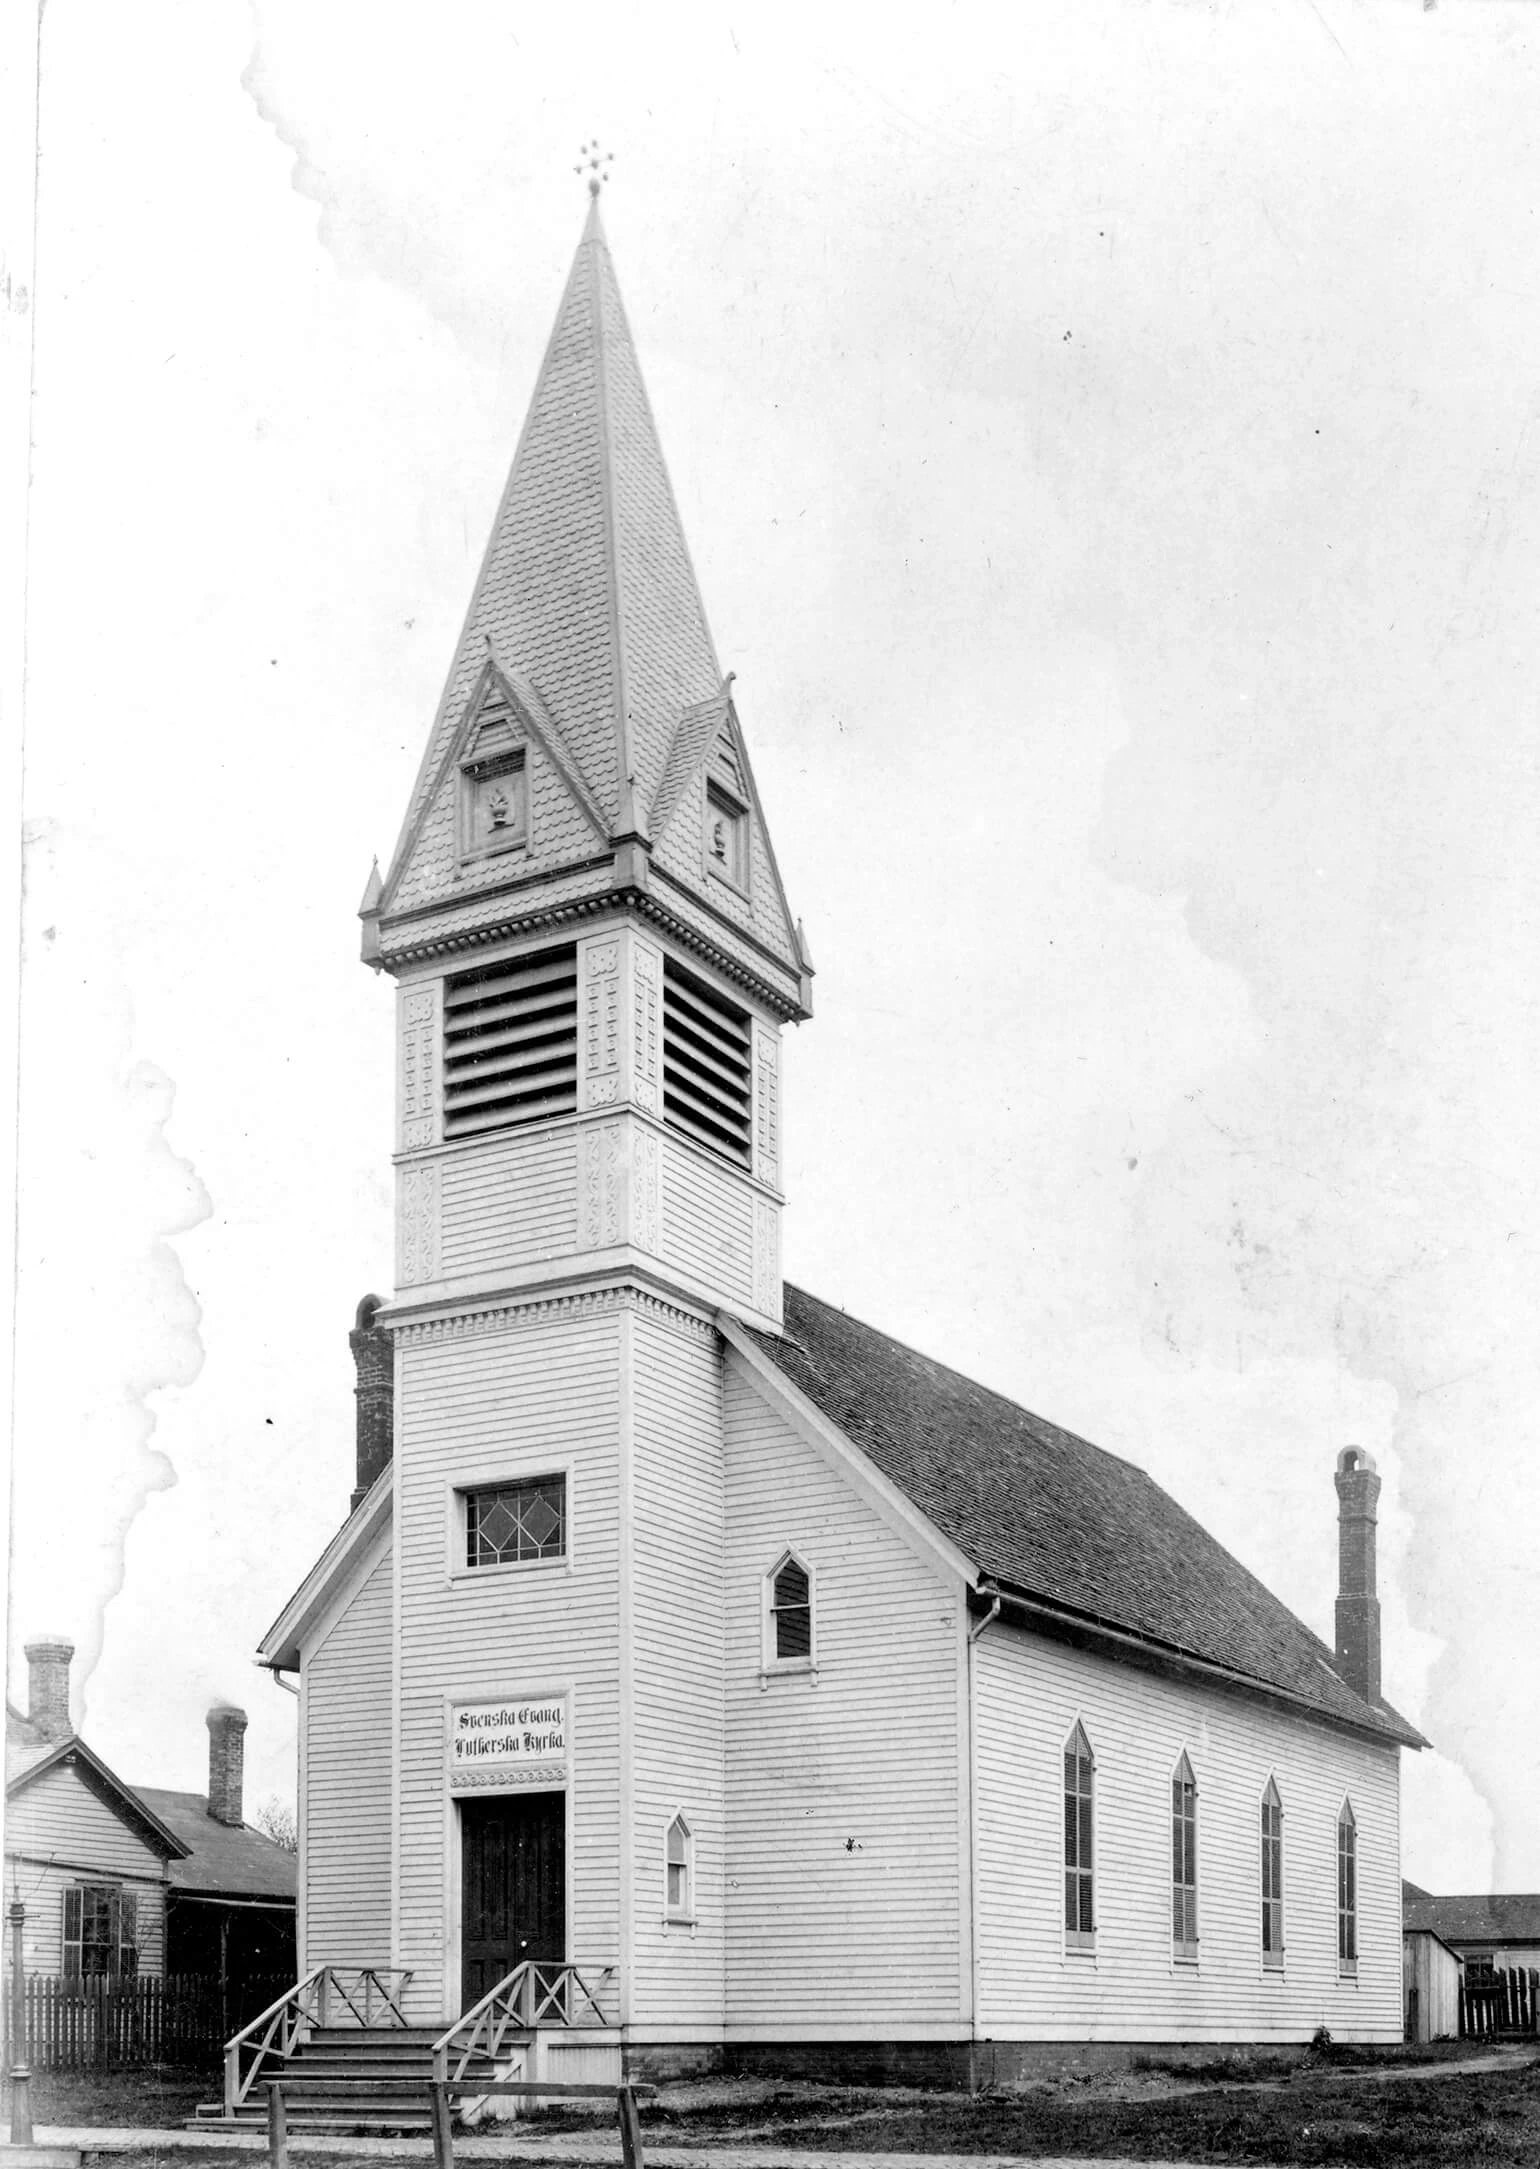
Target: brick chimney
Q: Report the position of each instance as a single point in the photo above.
(376, 1391)
(1358, 1607)
(227, 1762)
(48, 1685)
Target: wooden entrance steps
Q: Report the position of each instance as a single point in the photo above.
(339, 2046)
(344, 2078)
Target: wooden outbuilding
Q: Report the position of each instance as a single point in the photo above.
(1432, 1985)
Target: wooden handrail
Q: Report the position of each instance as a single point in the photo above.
(308, 2003)
(267, 2023)
(535, 1993)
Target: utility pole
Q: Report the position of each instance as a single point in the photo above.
(20, 2074)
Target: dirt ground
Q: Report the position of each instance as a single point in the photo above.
(1400, 2111)
(1392, 2108)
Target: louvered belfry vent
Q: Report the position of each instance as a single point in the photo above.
(510, 1043)
(706, 1065)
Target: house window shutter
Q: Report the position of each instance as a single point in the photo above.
(128, 1935)
(73, 1901)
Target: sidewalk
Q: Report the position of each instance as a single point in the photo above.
(599, 2149)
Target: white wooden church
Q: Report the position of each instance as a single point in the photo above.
(693, 1652)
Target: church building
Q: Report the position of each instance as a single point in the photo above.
(758, 1686)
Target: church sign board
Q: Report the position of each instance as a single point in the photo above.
(516, 1740)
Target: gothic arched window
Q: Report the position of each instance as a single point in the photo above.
(1347, 1890)
(1079, 1842)
(790, 1637)
(1272, 1877)
(679, 1871)
(1184, 1861)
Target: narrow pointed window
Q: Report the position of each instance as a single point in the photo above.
(1184, 1861)
(1079, 1842)
(791, 1613)
(1272, 1878)
(679, 1871)
(1347, 1890)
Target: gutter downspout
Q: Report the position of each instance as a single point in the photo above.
(989, 1589)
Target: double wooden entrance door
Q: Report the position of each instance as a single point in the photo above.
(513, 1884)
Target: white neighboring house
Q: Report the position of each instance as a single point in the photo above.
(850, 1716)
(121, 1882)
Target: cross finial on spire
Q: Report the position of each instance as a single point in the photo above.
(596, 164)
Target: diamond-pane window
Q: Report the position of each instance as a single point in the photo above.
(516, 1521)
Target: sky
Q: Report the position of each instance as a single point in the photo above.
(1108, 440)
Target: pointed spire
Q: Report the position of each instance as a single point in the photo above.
(587, 611)
(369, 912)
(587, 583)
(628, 823)
(805, 974)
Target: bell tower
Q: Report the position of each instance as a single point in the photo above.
(593, 959)
(583, 915)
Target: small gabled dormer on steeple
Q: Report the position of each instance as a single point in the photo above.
(584, 910)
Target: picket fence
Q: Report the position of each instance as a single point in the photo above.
(1504, 2001)
(113, 2025)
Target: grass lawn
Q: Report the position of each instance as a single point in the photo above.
(159, 2096)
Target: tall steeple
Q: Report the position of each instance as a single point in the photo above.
(594, 949)
(587, 641)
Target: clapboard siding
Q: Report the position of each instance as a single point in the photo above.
(677, 1670)
(345, 1861)
(508, 1201)
(58, 1815)
(43, 1884)
(708, 1223)
(537, 1393)
(844, 1886)
(1028, 1696)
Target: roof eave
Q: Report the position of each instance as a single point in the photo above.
(1131, 1647)
(279, 1648)
(75, 1749)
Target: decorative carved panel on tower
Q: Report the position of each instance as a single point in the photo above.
(647, 1189)
(601, 1182)
(417, 1225)
(417, 1079)
(646, 995)
(767, 1105)
(600, 1083)
(767, 1258)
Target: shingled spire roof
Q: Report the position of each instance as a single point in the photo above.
(587, 627)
